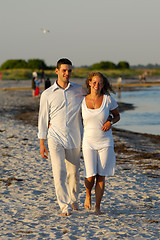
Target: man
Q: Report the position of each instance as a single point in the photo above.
(60, 108)
(42, 75)
(47, 83)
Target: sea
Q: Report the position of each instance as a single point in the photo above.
(145, 118)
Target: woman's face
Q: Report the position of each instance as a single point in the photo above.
(96, 84)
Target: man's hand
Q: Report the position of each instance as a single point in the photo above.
(43, 149)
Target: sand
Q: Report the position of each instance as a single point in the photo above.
(29, 209)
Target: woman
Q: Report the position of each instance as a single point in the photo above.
(37, 82)
(98, 148)
(33, 86)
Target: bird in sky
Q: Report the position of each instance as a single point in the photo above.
(44, 31)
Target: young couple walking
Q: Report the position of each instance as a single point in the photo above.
(62, 107)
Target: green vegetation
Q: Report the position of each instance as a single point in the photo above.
(123, 65)
(36, 64)
(115, 73)
(19, 74)
(23, 64)
(40, 64)
(110, 65)
(11, 64)
(21, 69)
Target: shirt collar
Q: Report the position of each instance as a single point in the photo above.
(55, 86)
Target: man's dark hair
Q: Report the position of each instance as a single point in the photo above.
(63, 61)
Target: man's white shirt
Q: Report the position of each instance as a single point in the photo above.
(62, 109)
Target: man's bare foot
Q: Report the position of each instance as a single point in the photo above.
(87, 203)
(97, 211)
(65, 214)
(74, 206)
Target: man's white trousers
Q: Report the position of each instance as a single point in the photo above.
(65, 167)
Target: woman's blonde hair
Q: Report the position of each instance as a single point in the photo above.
(107, 88)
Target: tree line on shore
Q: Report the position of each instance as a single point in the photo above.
(21, 69)
(23, 64)
(40, 64)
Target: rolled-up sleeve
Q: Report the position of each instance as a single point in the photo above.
(43, 118)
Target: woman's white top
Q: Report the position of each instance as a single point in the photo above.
(93, 120)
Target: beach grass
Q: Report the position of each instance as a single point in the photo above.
(18, 74)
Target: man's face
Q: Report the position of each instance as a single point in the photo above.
(64, 73)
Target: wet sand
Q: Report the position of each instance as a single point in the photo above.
(29, 209)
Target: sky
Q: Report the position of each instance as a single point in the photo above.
(85, 31)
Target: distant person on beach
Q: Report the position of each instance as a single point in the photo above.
(97, 145)
(42, 75)
(140, 78)
(34, 74)
(60, 110)
(143, 77)
(37, 82)
(0, 76)
(47, 83)
(33, 86)
(119, 82)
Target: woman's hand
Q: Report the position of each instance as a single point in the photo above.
(106, 126)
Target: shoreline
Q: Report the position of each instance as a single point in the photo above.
(24, 108)
(29, 113)
(27, 107)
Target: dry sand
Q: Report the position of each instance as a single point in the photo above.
(29, 209)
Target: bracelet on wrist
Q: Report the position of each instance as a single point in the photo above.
(111, 121)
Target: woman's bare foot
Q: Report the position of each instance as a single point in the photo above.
(74, 206)
(65, 214)
(87, 203)
(97, 211)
